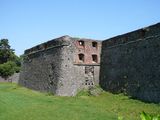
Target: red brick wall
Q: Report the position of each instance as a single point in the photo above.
(88, 50)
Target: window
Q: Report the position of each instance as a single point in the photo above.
(143, 33)
(94, 44)
(45, 46)
(81, 57)
(94, 58)
(81, 43)
(88, 83)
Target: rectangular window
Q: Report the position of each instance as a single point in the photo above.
(81, 57)
(94, 44)
(94, 58)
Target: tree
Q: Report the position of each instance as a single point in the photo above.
(9, 62)
(6, 53)
(7, 69)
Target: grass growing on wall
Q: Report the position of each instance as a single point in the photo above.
(18, 103)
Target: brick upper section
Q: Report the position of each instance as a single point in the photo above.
(88, 50)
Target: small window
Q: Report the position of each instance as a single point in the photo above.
(81, 57)
(45, 46)
(38, 47)
(94, 58)
(81, 43)
(94, 44)
(143, 33)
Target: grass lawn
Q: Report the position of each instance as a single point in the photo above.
(19, 103)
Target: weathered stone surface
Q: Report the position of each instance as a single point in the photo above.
(130, 63)
(55, 66)
(14, 78)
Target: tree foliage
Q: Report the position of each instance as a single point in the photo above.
(7, 69)
(6, 53)
(9, 62)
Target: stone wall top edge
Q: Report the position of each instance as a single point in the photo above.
(142, 33)
(86, 39)
(51, 43)
(56, 42)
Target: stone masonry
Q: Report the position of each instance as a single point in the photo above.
(62, 66)
(128, 63)
(14, 78)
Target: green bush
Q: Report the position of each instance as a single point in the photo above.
(7, 69)
(145, 116)
(83, 92)
(91, 91)
(9, 61)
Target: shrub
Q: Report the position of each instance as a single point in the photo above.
(83, 92)
(7, 69)
(145, 116)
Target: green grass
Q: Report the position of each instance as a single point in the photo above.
(18, 103)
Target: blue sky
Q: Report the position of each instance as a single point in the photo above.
(27, 23)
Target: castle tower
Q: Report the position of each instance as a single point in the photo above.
(62, 66)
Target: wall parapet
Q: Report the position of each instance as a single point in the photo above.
(48, 45)
(130, 64)
(140, 34)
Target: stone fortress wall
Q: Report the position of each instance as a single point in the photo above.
(130, 63)
(62, 66)
(13, 79)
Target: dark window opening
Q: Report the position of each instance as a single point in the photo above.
(143, 33)
(88, 83)
(81, 43)
(94, 44)
(81, 57)
(37, 47)
(45, 46)
(94, 58)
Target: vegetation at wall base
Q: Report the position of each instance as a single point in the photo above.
(91, 91)
(19, 103)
